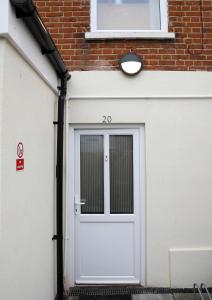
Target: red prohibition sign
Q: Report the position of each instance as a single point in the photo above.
(20, 150)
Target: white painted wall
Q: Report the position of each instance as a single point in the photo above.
(27, 111)
(20, 37)
(176, 109)
(147, 84)
(2, 48)
(4, 17)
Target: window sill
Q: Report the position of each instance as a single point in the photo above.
(156, 35)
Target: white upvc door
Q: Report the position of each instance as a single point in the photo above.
(107, 207)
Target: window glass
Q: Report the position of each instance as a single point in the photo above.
(121, 174)
(122, 1)
(92, 173)
(128, 15)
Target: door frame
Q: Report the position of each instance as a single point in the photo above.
(70, 187)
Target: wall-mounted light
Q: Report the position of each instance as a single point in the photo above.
(131, 64)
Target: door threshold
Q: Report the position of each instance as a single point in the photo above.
(108, 285)
(121, 290)
(103, 289)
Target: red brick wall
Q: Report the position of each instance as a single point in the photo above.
(68, 20)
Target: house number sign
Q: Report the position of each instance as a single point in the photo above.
(106, 119)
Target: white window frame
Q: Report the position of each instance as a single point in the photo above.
(163, 18)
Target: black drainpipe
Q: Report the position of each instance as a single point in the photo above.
(59, 175)
(26, 10)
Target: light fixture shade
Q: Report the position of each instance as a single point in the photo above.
(131, 64)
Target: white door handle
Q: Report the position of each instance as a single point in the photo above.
(79, 203)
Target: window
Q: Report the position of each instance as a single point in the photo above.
(128, 15)
(106, 162)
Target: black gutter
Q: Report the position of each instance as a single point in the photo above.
(26, 10)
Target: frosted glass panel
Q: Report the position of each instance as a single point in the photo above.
(128, 15)
(92, 173)
(121, 174)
